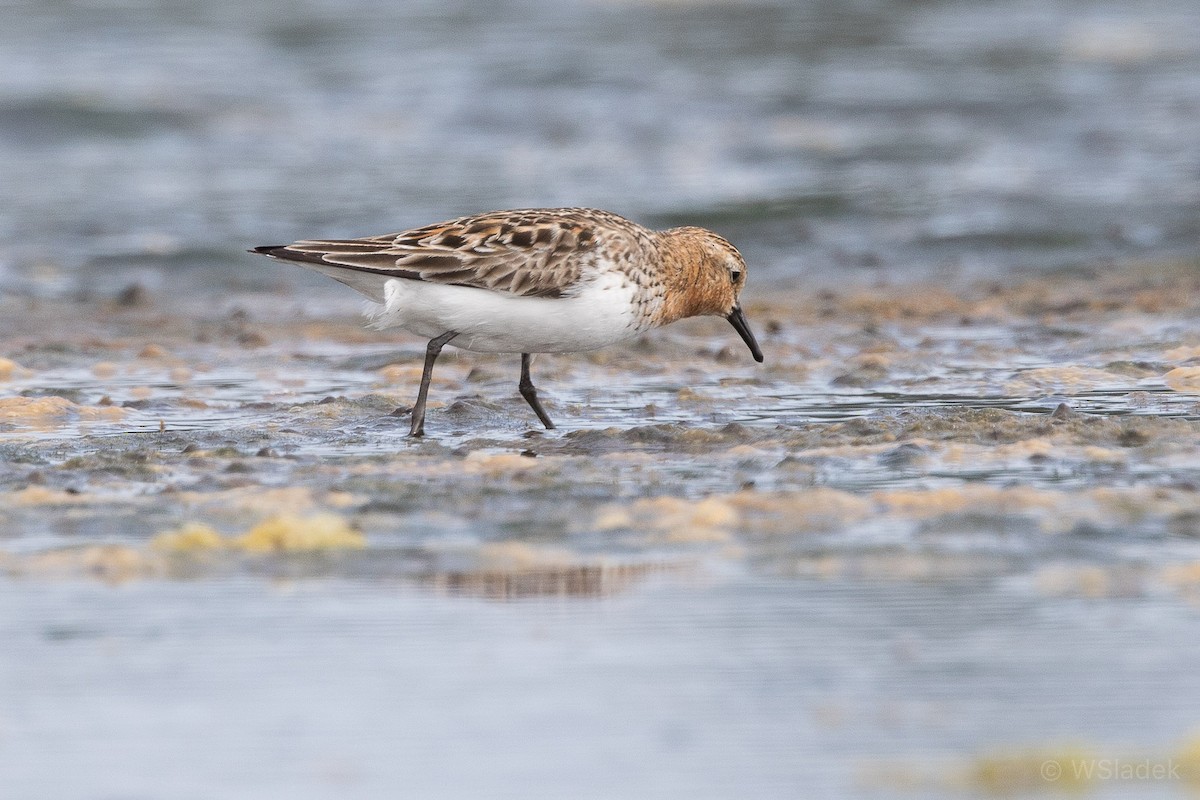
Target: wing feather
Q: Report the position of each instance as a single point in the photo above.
(528, 252)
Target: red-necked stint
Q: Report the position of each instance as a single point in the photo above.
(538, 280)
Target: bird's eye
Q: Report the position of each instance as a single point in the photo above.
(735, 276)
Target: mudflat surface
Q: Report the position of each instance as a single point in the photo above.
(942, 536)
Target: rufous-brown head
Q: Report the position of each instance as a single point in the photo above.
(706, 276)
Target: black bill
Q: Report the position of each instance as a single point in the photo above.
(738, 320)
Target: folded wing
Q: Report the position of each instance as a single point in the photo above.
(531, 253)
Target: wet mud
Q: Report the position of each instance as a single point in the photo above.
(1051, 417)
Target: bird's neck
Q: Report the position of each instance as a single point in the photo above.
(690, 291)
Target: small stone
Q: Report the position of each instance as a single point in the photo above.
(132, 296)
(1062, 411)
(252, 339)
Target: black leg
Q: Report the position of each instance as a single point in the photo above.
(529, 392)
(431, 354)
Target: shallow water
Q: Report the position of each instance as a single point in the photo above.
(945, 536)
(779, 685)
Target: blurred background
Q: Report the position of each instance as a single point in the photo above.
(833, 141)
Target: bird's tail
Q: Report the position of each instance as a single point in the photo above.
(368, 282)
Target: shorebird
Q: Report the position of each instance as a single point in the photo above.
(535, 280)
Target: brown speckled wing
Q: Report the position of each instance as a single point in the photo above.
(528, 252)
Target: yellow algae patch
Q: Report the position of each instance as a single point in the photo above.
(352, 333)
(279, 534)
(35, 408)
(952, 500)
(973, 454)
(1065, 769)
(1134, 503)
(331, 411)
(104, 369)
(410, 374)
(291, 534)
(1183, 379)
(41, 496)
(958, 453)
(817, 509)
(44, 410)
(1184, 580)
(340, 499)
(896, 565)
(1185, 353)
(989, 310)
(192, 544)
(1061, 378)
(849, 450)
(10, 369)
(1105, 581)
(1091, 582)
(1020, 772)
(1183, 575)
(103, 413)
(479, 462)
(116, 563)
(181, 551)
(745, 451)
(1117, 42)
(286, 500)
(1187, 759)
(189, 538)
(610, 519)
(1125, 504)
(929, 302)
(1104, 455)
(678, 520)
(871, 360)
(399, 373)
(110, 563)
(690, 395)
(153, 351)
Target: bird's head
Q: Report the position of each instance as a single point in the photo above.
(707, 275)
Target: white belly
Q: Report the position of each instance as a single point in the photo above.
(496, 322)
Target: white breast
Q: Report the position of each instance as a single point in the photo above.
(603, 312)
